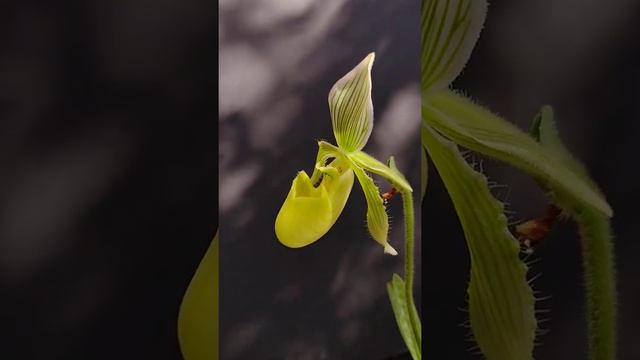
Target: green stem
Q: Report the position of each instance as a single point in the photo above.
(407, 205)
(599, 269)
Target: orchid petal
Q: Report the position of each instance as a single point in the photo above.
(377, 219)
(371, 164)
(351, 107)
(450, 30)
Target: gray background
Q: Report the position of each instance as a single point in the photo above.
(278, 60)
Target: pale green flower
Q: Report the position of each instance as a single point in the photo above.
(314, 204)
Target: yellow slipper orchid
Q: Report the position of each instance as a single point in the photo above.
(314, 203)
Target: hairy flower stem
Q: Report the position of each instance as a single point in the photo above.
(599, 268)
(407, 205)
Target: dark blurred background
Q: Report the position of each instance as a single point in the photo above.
(108, 173)
(582, 57)
(278, 61)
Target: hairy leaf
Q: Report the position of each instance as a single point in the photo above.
(472, 126)
(501, 303)
(401, 308)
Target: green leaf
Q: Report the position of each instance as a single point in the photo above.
(450, 29)
(371, 164)
(351, 106)
(377, 219)
(501, 303)
(396, 290)
(473, 127)
(198, 316)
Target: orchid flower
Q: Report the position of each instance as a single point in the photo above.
(314, 203)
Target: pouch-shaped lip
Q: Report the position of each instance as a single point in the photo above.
(309, 212)
(305, 215)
